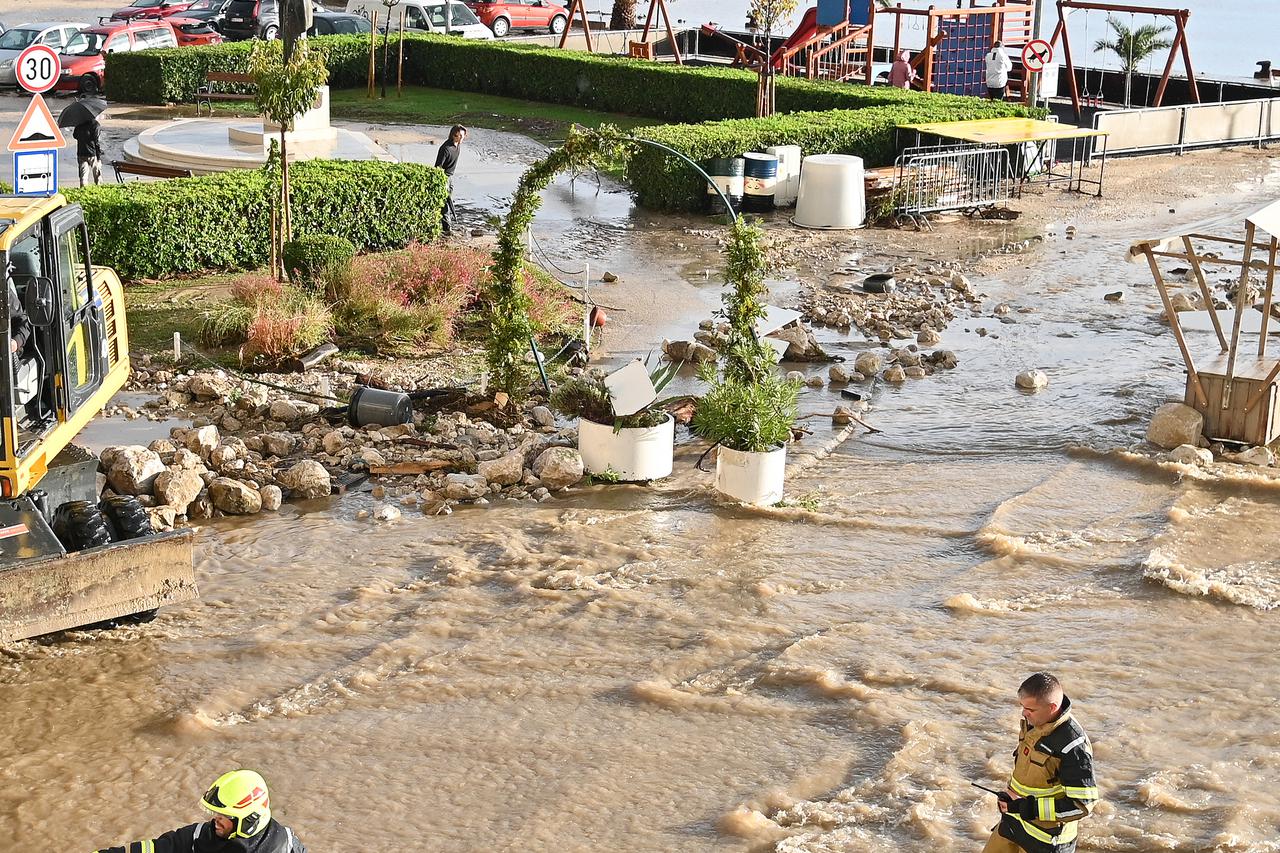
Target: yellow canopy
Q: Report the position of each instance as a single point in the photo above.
(1004, 131)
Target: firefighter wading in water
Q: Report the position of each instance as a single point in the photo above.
(242, 823)
(1052, 785)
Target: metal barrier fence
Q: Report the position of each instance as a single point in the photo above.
(933, 179)
(1155, 129)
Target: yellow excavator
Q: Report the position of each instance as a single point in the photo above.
(68, 557)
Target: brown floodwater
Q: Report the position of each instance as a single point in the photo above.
(631, 669)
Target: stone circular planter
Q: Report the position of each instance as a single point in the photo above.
(637, 453)
(754, 478)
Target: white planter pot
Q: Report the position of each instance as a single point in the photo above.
(638, 453)
(754, 478)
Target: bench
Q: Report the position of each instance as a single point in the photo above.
(207, 94)
(124, 167)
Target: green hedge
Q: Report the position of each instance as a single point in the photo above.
(661, 90)
(186, 225)
(665, 182)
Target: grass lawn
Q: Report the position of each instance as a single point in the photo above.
(420, 105)
(157, 309)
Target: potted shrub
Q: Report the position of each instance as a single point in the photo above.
(749, 408)
(631, 447)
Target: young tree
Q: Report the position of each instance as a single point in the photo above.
(1132, 46)
(286, 90)
(767, 15)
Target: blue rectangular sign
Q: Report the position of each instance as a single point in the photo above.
(35, 172)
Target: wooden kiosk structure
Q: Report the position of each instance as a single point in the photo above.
(1178, 45)
(1236, 391)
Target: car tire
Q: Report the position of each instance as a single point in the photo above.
(558, 24)
(270, 32)
(500, 27)
(89, 85)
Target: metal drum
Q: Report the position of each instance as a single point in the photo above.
(727, 174)
(761, 182)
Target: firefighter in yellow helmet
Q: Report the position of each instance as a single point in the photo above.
(241, 823)
(1052, 785)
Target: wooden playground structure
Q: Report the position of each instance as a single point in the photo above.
(1236, 391)
(642, 49)
(1178, 45)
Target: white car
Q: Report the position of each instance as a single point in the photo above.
(15, 41)
(451, 17)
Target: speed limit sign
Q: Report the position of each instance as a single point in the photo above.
(37, 68)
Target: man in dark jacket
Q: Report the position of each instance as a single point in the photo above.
(89, 151)
(447, 159)
(242, 823)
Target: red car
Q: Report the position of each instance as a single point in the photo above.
(84, 58)
(151, 9)
(191, 31)
(503, 16)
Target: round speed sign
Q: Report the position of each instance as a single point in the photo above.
(37, 68)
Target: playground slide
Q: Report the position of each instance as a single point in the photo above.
(807, 30)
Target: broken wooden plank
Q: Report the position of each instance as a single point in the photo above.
(412, 468)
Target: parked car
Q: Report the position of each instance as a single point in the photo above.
(503, 16)
(151, 9)
(14, 41)
(337, 23)
(84, 60)
(211, 11)
(432, 16)
(247, 19)
(191, 32)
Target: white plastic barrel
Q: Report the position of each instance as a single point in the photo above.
(788, 187)
(832, 194)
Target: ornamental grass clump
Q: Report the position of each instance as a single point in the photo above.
(271, 321)
(748, 406)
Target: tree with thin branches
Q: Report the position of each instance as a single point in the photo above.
(1132, 46)
(767, 16)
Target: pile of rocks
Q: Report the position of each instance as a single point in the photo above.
(897, 366)
(712, 337)
(920, 306)
(251, 447)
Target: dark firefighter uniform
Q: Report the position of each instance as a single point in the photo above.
(1053, 779)
(200, 838)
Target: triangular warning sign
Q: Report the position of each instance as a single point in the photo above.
(37, 131)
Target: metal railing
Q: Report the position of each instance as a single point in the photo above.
(1161, 129)
(934, 179)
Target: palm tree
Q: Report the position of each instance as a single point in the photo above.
(624, 15)
(1132, 46)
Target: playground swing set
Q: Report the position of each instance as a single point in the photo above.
(1093, 97)
(642, 49)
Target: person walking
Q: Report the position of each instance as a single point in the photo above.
(447, 159)
(1052, 786)
(902, 75)
(89, 151)
(241, 823)
(997, 66)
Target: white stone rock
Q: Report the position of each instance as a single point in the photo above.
(278, 443)
(334, 442)
(557, 467)
(272, 497)
(222, 456)
(178, 488)
(209, 386)
(387, 512)
(307, 479)
(284, 410)
(838, 374)
(461, 487)
(134, 470)
(542, 416)
(795, 376)
(894, 374)
(234, 497)
(1189, 454)
(185, 459)
(868, 363)
(505, 470)
(842, 415)
(162, 517)
(1174, 424)
(1032, 380)
(1260, 456)
(928, 338)
(202, 441)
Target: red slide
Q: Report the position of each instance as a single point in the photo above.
(807, 30)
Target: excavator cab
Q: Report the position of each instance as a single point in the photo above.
(68, 557)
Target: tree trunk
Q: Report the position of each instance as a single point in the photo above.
(624, 15)
(286, 223)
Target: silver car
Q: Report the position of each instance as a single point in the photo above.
(13, 42)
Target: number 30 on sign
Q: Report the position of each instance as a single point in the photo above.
(37, 68)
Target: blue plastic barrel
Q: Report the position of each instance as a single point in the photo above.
(761, 181)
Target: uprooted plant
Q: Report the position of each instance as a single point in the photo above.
(588, 397)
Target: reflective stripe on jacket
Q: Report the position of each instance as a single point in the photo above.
(1054, 764)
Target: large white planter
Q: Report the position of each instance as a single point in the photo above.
(637, 453)
(754, 478)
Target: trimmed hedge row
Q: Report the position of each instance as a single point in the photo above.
(659, 90)
(664, 182)
(187, 225)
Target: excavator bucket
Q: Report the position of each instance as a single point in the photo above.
(46, 594)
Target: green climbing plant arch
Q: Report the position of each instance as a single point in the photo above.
(510, 331)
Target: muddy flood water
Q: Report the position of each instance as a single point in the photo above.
(630, 669)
